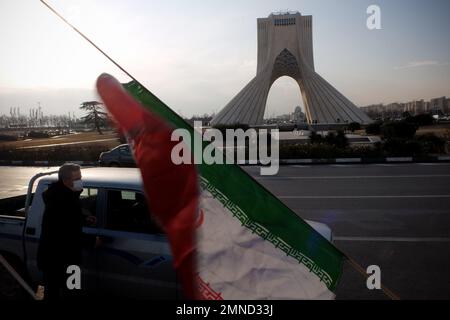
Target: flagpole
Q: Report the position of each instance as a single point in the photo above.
(363, 272)
(88, 40)
(352, 262)
(17, 277)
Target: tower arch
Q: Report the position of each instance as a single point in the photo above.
(284, 95)
(285, 48)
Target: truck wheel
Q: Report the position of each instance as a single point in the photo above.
(10, 289)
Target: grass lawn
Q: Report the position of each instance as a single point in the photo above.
(441, 130)
(108, 139)
(85, 146)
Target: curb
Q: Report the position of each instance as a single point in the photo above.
(360, 160)
(247, 163)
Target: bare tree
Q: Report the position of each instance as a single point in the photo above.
(95, 114)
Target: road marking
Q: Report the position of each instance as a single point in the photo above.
(433, 164)
(348, 160)
(399, 159)
(355, 177)
(366, 197)
(296, 161)
(341, 165)
(391, 239)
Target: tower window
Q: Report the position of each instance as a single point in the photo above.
(284, 22)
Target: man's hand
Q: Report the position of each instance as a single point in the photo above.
(91, 221)
(98, 242)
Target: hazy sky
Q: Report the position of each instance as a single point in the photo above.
(196, 55)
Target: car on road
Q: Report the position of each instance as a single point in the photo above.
(120, 156)
(132, 257)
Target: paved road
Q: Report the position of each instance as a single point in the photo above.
(395, 216)
(14, 180)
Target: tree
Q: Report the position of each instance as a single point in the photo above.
(406, 115)
(315, 137)
(374, 128)
(425, 119)
(431, 143)
(353, 126)
(398, 129)
(338, 139)
(95, 114)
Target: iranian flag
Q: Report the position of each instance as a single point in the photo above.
(249, 245)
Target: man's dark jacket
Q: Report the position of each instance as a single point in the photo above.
(60, 244)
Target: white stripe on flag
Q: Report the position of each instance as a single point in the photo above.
(239, 264)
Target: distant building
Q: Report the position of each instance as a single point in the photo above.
(284, 117)
(439, 105)
(415, 107)
(427, 106)
(395, 110)
(374, 111)
(298, 116)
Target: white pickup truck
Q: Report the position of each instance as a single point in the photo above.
(133, 259)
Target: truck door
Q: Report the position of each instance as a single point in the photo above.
(90, 205)
(134, 257)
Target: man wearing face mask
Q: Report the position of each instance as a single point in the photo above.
(61, 239)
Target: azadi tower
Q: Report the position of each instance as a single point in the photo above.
(285, 48)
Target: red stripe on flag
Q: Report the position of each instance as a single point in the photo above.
(172, 189)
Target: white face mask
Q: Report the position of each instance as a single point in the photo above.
(77, 185)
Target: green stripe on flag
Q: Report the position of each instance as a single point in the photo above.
(256, 208)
